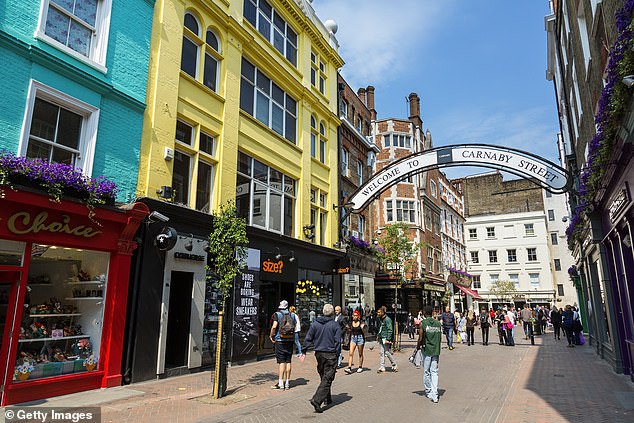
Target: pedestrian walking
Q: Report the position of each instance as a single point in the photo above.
(409, 326)
(472, 321)
(324, 335)
(449, 326)
(384, 337)
(342, 321)
(283, 336)
(499, 321)
(567, 318)
(555, 319)
(509, 324)
(357, 341)
(462, 329)
(429, 341)
(298, 329)
(526, 314)
(485, 324)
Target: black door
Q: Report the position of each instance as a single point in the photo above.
(177, 344)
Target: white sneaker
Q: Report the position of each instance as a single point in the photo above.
(359, 370)
(381, 370)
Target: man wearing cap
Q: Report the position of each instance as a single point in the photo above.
(283, 347)
(324, 336)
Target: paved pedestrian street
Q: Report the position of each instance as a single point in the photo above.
(546, 382)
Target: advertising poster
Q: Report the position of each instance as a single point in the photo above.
(246, 298)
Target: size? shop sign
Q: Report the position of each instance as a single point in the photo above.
(277, 269)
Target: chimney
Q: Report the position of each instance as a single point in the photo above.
(414, 105)
(369, 95)
(362, 96)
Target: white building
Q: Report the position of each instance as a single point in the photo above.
(513, 247)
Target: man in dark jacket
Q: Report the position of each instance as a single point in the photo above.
(555, 319)
(325, 337)
(448, 326)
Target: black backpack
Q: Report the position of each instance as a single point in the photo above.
(484, 322)
(287, 326)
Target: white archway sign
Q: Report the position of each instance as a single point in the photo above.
(541, 171)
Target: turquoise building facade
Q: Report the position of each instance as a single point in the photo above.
(74, 75)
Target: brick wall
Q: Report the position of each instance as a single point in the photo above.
(490, 194)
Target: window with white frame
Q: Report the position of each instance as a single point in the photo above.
(494, 277)
(529, 229)
(193, 155)
(514, 278)
(344, 109)
(318, 74)
(560, 290)
(554, 238)
(511, 255)
(473, 233)
(190, 50)
(267, 102)
(551, 215)
(400, 211)
(59, 128)
(433, 189)
(323, 143)
(361, 226)
(323, 217)
(476, 282)
(534, 278)
(490, 232)
(265, 197)
(190, 55)
(359, 172)
(79, 27)
(345, 159)
(474, 257)
(314, 135)
(532, 254)
(386, 140)
(493, 256)
(273, 27)
(557, 263)
(399, 140)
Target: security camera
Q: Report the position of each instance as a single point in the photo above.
(564, 219)
(156, 216)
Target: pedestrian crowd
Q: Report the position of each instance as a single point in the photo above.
(333, 332)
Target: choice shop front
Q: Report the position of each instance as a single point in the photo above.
(63, 287)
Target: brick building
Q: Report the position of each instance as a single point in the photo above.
(357, 157)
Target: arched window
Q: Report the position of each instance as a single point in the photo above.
(322, 142)
(212, 60)
(313, 137)
(190, 53)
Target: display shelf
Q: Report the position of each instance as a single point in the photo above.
(84, 283)
(54, 339)
(55, 315)
(83, 298)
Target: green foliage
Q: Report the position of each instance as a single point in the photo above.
(227, 246)
(503, 290)
(399, 250)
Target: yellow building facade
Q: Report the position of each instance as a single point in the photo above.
(248, 80)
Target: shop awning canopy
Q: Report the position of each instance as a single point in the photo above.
(471, 292)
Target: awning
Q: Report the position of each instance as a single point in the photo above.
(470, 292)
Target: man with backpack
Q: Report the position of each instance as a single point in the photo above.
(485, 324)
(283, 337)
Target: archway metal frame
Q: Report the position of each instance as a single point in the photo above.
(530, 166)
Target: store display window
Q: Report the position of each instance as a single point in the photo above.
(313, 291)
(11, 252)
(61, 323)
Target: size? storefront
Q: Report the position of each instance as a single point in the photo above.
(63, 289)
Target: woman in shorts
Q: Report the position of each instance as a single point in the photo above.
(357, 340)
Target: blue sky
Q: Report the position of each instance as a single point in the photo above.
(478, 66)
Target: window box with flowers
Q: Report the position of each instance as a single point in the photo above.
(56, 179)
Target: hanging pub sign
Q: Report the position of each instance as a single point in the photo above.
(278, 267)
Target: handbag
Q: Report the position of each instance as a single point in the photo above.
(582, 340)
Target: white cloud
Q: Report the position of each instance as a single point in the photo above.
(376, 41)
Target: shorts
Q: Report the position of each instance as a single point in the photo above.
(284, 351)
(357, 339)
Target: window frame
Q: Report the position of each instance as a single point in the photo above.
(99, 41)
(473, 233)
(493, 256)
(475, 257)
(272, 28)
(531, 254)
(529, 229)
(491, 232)
(511, 255)
(89, 126)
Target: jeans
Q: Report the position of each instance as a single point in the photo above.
(449, 334)
(298, 346)
(326, 367)
(470, 331)
(430, 376)
(557, 329)
(526, 328)
(509, 338)
(485, 336)
(384, 350)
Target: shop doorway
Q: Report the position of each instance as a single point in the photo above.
(8, 288)
(179, 317)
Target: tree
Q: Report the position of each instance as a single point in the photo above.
(227, 247)
(503, 290)
(399, 255)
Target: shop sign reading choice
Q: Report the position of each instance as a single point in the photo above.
(22, 223)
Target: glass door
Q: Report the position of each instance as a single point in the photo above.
(8, 287)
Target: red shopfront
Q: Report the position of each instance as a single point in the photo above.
(63, 294)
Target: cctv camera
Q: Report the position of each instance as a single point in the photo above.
(564, 219)
(156, 216)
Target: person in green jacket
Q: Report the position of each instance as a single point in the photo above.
(384, 338)
(429, 339)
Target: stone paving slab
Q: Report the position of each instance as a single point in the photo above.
(546, 382)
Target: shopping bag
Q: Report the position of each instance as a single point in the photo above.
(416, 358)
(582, 340)
(458, 339)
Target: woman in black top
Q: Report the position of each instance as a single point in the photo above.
(357, 340)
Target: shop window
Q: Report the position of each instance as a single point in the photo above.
(60, 331)
(11, 253)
